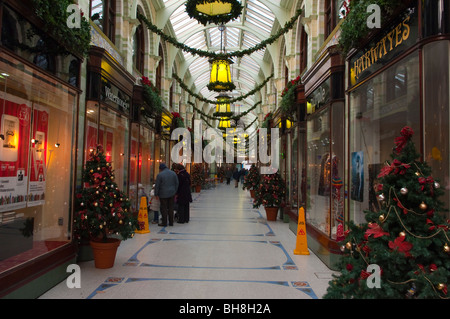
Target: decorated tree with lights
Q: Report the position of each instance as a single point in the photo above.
(101, 208)
(408, 238)
(251, 180)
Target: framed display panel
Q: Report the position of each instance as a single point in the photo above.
(37, 162)
(379, 109)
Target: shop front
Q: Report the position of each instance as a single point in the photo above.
(108, 115)
(39, 98)
(325, 154)
(399, 78)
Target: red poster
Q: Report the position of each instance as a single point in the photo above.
(15, 117)
(38, 163)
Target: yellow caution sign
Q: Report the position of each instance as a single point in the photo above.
(301, 247)
(143, 217)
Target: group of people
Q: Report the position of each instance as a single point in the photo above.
(237, 175)
(172, 188)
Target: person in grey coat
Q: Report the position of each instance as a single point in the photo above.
(166, 187)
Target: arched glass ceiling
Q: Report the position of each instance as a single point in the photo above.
(255, 24)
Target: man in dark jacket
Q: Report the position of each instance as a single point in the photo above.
(184, 196)
(165, 188)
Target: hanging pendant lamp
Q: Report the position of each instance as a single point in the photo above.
(220, 79)
(213, 11)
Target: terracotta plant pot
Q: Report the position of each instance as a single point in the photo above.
(198, 188)
(105, 252)
(252, 193)
(271, 213)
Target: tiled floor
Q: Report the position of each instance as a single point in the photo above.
(227, 250)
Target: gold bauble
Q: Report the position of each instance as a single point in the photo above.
(446, 248)
(423, 206)
(381, 218)
(348, 245)
(402, 234)
(440, 286)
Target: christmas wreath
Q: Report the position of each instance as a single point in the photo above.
(191, 10)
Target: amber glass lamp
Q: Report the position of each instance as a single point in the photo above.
(213, 11)
(220, 79)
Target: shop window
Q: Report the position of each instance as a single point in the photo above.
(318, 170)
(103, 14)
(396, 83)
(113, 134)
(74, 72)
(375, 121)
(44, 60)
(160, 70)
(139, 49)
(332, 15)
(37, 123)
(9, 31)
(303, 49)
(436, 83)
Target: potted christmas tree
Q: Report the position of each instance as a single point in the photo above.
(198, 177)
(102, 210)
(251, 180)
(406, 242)
(270, 193)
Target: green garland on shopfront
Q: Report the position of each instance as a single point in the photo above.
(240, 53)
(55, 16)
(354, 27)
(201, 98)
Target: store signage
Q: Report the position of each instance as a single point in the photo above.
(115, 97)
(394, 41)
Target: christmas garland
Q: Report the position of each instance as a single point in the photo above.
(236, 10)
(55, 16)
(151, 97)
(219, 86)
(240, 53)
(288, 97)
(354, 27)
(236, 118)
(201, 98)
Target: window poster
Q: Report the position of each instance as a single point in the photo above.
(357, 175)
(38, 163)
(15, 118)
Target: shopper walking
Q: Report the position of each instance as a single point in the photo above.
(154, 205)
(236, 177)
(228, 175)
(184, 196)
(165, 189)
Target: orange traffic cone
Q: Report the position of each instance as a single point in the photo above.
(301, 247)
(143, 217)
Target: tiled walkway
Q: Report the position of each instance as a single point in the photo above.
(228, 250)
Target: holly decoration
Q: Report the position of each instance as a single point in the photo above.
(270, 192)
(408, 238)
(101, 208)
(251, 180)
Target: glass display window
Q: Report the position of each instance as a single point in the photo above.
(113, 134)
(319, 171)
(379, 109)
(37, 141)
(436, 81)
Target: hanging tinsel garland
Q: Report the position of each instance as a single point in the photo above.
(236, 118)
(240, 53)
(201, 98)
